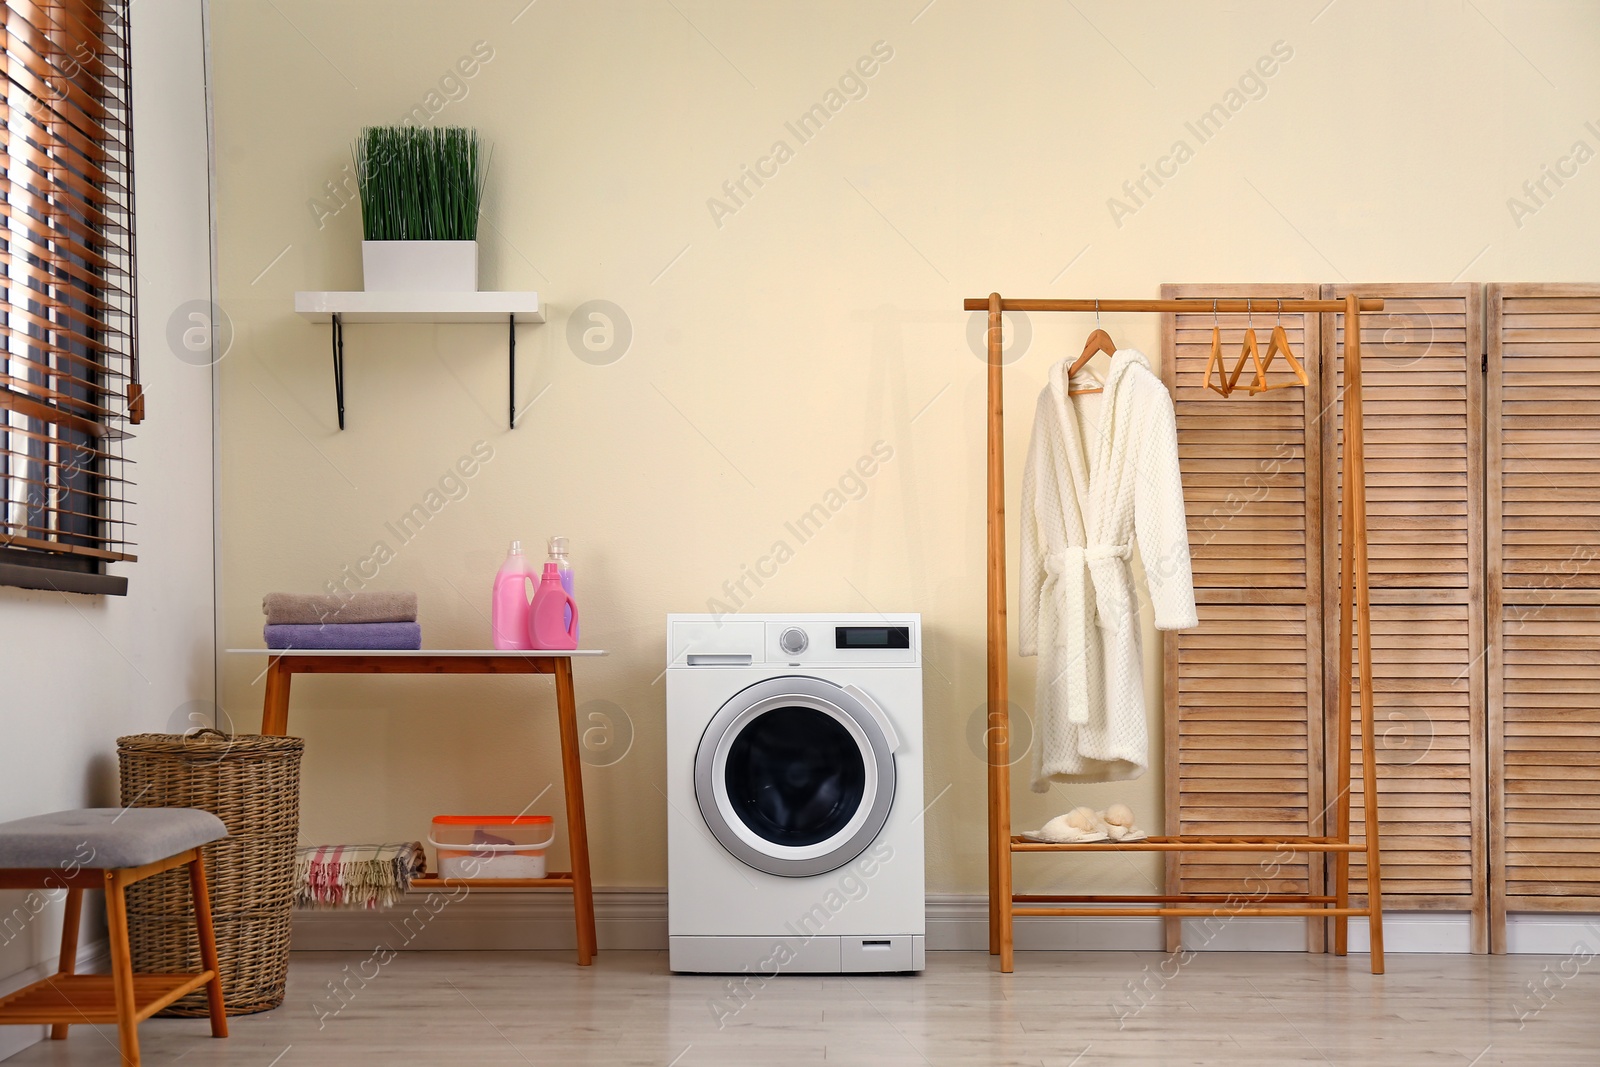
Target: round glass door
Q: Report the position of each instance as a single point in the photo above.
(795, 776)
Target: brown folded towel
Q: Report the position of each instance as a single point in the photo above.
(309, 609)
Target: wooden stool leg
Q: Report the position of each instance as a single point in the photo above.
(122, 969)
(577, 828)
(208, 943)
(70, 923)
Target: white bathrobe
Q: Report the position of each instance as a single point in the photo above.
(1101, 467)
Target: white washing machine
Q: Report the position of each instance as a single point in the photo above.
(794, 782)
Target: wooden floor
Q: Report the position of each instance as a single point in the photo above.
(1059, 1009)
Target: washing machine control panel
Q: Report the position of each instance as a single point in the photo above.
(839, 640)
(863, 640)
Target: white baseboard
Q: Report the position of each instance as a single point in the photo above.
(1553, 934)
(95, 956)
(522, 919)
(962, 922)
(1417, 931)
(637, 919)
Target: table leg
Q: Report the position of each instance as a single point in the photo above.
(275, 708)
(577, 827)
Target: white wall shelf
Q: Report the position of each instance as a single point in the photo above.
(418, 307)
(340, 308)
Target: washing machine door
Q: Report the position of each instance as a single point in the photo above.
(795, 776)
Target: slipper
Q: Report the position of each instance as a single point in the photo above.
(1080, 826)
(1118, 820)
(1048, 835)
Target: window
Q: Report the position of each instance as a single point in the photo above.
(69, 387)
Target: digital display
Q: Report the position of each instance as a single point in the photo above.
(872, 636)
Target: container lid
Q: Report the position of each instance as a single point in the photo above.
(558, 547)
(491, 820)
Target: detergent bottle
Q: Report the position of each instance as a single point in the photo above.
(508, 611)
(549, 624)
(558, 556)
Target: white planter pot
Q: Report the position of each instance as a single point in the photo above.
(419, 266)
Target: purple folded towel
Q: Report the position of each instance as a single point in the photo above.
(346, 635)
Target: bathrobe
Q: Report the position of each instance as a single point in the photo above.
(1101, 468)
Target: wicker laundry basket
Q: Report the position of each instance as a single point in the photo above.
(251, 783)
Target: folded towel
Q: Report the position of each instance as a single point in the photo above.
(348, 635)
(302, 609)
(355, 876)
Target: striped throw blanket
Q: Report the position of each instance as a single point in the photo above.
(355, 876)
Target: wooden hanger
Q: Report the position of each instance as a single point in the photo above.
(1215, 361)
(1099, 341)
(1279, 343)
(1249, 350)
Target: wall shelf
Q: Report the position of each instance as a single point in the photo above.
(360, 307)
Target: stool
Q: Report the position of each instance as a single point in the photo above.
(110, 848)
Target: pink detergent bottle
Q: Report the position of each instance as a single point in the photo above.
(509, 612)
(549, 625)
(558, 556)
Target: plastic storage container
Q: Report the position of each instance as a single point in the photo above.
(492, 846)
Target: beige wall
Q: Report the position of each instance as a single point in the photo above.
(773, 344)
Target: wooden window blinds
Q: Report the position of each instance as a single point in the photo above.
(69, 385)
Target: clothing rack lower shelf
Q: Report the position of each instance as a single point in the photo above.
(1191, 844)
(1286, 912)
(1158, 898)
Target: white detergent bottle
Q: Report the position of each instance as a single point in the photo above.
(508, 612)
(558, 556)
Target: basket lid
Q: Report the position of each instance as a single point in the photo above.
(210, 742)
(492, 820)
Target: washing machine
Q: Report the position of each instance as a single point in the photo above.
(794, 789)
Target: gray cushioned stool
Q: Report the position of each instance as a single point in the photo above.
(110, 848)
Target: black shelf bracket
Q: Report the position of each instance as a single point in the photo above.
(338, 365)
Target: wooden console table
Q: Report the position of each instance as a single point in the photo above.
(275, 721)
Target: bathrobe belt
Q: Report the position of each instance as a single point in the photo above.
(1069, 573)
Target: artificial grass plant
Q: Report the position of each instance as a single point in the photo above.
(420, 183)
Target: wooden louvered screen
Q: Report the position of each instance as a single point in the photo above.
(1544, 598)
(1422, 385)
(68, 369)
(1243, 699)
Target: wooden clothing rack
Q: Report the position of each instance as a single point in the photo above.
(1355, 632)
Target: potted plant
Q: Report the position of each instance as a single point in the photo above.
(421, 195)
